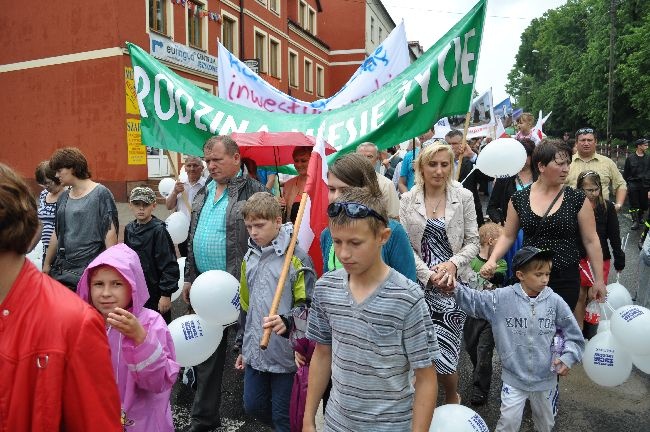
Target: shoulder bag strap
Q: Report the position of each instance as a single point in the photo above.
(541, 223)
(60, 237)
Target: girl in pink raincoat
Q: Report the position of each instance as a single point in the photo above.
(142, 350)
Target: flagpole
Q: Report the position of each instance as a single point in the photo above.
(264, 342)
(463, 144)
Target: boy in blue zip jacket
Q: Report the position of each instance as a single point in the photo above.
(525, 317)
(268, 374)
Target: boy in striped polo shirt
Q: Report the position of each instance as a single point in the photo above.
(371, 327)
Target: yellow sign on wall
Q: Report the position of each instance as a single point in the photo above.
(131, 98)
(137, 153)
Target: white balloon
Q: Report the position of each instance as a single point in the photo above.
(603, 326)
(631, 327)
(166, 186)
(194, 339)
(642, 362)
(605, 360)
(617, 296)
(503, 157)
(215, 297)
(36, 255)
(181, 267)
(178, 226)
(456, 418)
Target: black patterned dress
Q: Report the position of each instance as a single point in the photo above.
(447, 319)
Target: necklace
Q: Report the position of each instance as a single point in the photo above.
(437, 204)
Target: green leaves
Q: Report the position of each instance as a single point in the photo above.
(562, 65)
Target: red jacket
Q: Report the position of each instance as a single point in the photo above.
(54, 360)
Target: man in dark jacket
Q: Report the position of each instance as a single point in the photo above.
(635, 174)
(466, 158)
(217, 240)
(148, 237)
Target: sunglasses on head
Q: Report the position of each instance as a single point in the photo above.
(583, 131)
(586, 174)
(353, 210)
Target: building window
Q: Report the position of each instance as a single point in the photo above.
(320, 81)
(158, 16)
(309, 76)
(311, 22)
(274, 58)
(293, 69)
(229, 34)
(380, 33)
(262, 2)
(274, 5)
(260, 50)
(372, 29)
(195, 24)
(302, 13)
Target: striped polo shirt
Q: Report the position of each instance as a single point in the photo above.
(374, 345)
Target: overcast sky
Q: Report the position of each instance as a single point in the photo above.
(426, 21)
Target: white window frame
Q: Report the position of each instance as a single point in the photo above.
(169, 19)
(277, 6)
(311, 12)
(297, 71)
(302, 13)
(309, 79)
(235, 39)
(264, 61)
(278, 56)
(263, 3)
(204, 25)
(320, 83)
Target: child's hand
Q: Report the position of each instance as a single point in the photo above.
(299, 359)
(186, 292)
(275, 323)
(488, 269)
(127, 324)
(560, 368)
(164, 304)
(239, 363)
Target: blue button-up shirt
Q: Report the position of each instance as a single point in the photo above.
(210, 236)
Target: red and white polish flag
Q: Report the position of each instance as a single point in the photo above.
(314, 219)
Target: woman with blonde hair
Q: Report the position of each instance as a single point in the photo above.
(439, 217)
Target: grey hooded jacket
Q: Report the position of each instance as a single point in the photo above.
(523, 329)
(261, 270)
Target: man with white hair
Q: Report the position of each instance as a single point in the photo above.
(371, 152)
(180, 199)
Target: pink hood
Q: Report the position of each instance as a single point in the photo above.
(123, 259)
(144, 373)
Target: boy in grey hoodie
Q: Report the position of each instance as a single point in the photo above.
(525, 317)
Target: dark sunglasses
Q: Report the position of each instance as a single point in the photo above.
(353, 210)
(584, 131)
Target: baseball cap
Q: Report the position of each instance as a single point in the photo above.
(641, 141)
(527, 253)
(144, 194)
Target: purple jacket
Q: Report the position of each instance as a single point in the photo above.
(145, 373)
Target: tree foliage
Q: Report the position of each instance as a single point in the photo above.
(563, 65)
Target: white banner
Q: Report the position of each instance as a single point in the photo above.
(182, 55)
(239, 84)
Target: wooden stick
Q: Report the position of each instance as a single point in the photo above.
(264, 342)
(463, 144)
(184, 196)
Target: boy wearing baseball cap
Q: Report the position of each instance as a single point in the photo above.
(148, 236)
(525, 317)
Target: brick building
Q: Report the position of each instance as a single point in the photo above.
(64, 69)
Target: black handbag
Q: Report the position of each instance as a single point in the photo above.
(62, 270)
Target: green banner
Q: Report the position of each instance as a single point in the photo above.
(179, 116)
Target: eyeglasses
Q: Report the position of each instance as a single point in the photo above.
(353, 210)
(584, 131)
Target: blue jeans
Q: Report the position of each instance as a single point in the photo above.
(267, 396)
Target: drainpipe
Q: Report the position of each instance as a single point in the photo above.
(241, 30)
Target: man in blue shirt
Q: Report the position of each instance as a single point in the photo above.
(217, 240)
